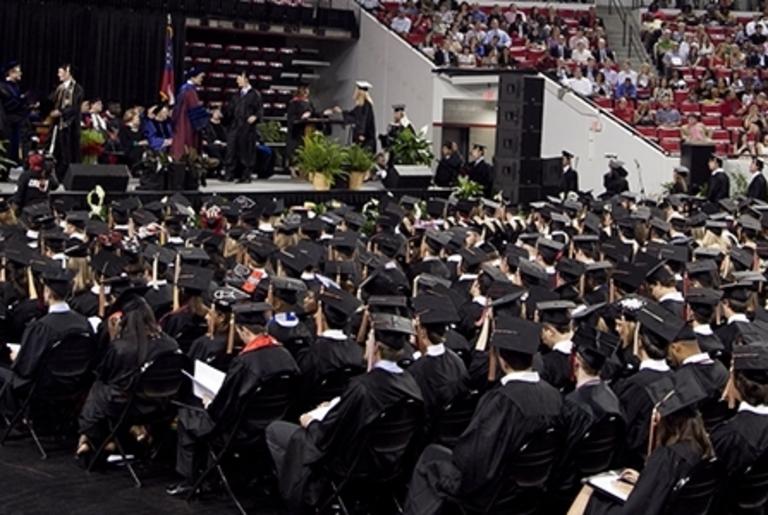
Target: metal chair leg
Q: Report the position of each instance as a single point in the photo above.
(199, 482)
(229, 490)
(43, 454)
(127, 462)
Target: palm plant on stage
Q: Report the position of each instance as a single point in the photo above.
(320, 160)
(412, 148)
(5, 163)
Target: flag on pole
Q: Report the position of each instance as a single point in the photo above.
(167, 84)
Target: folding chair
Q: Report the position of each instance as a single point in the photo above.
(747, 493)
(157, 383)
(329, 386)
(265, 404)
(693, 494)
(63, 379)
(454, 419)
(380, 460)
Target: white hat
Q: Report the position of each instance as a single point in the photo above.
(363, 85)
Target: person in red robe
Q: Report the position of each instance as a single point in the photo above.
(189, 116)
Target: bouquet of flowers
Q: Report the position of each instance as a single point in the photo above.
(91, 145)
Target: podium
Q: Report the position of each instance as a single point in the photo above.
(695, 156)
(336, 128)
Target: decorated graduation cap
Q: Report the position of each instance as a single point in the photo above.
(193, 255)
(595, 347)
(224, 299)
(676, 393)
(391, 330)
(517, 335)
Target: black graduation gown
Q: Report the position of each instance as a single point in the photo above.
(758, 188)
(482, 173)
(713, 378)
(35, 343)
(160, 299)
(614, 184)
(130, 143)
(719, 187)
(296, 108)
(327, 355)
(470, 313)
(364, 126)
(184, 326)
(557, 370)
(459, 345)
(739, 441)
(476, 469)
(569, 181)
(242, 136)
(212, 350)
(637, 406)
(246, 372)
(14, 119)
(86, 303)
(33, 188)
(67, 149)
(675, 306)
(22, 313)
(337, 439)
(292, 337)
(114, 376)
(442, 379)
(447, 171)
(582, 409)
(666, 466)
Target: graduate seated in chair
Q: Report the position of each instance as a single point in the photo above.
(507, 417)
(335, 432)
(261, 359)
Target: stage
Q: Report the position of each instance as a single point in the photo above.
(292, 191)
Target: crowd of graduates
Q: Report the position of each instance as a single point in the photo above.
(545, 325)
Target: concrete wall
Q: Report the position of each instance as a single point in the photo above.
(575, 125)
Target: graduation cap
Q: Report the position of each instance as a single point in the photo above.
(660, 225)
(742, 256)
(599, 266)
(75, 248)
(428, 282)
(628, 276)
(354, 220)
(532, 270)
(509, 298)
(472, 258)
(193, 255)
(436, 207)
(258, 247)
(549, 248)
(570, 269)
(659, 321)
(339, 304)
(9, 65)
(567, 154)
(739, 291)
(344, 240)
(682, 170)
(164, 255)
(339, 268)
(288, 284)
(252, 313)
(676, 392)
(398, 107)
(750, 223)
(751, 357)
(657, 270)
(363, 85)
(391, 330)
(702, 266)
(389, 243)
(431, 308)
(294, 260)
(556, 312)
(595, 347)
(388, 301)
(587, 312)
(195, 279)
(58, 280)
(517, 335)
(78, 218)
(109, 264)
(616, 250)
(225, 298)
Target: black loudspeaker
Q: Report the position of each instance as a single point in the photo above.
(533, 116)
(551, 172)
(506, 178)
(696, 158)
(528, 194)
(530, 172)
(509, 141)
(511, 88)
(511, 115)
(533, 91)
(113, 178)
(409, 177)
(531, 144)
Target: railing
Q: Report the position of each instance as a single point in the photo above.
(630, 29)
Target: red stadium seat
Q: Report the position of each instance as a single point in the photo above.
(711, 121)
(689, 108)
(723, 147)
(680, 95)
(668, 133)
(721, 135)
(671, 145)
(732, 122)
(648, 132)
(605, 103)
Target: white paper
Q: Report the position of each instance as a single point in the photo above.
(321, 411)
(206, 382)
(14, 348)
(609, 483)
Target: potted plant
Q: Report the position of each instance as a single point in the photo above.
(411, 148)
(320, 160)
(5, 163)
(358, 163)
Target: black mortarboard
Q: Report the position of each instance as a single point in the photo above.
(532, 270)
(431, 308)
(288, 284)
(193, 255)
(749, 222)
(743, 257)
(294, 260)
(567, 154)
(599, 266)
(753, 356)
(659, 321)
(628, 276)
(340, 300)
(391, 330)
(616, 250)
(594, 346)
(252, 313)
(703, 296)
(472, 258)
(195, 279)
(555, 312)
(702, 266)
(570, 269)
(516, 334)
(436, 207)
(109, 264)
(78, 218)
(437, 240)
(59, 280)
(739, 291)
(344, 240)
(398, 107)
(549, 248)
(225, 298)
(676, 392)
(75, 248)
(343, 268)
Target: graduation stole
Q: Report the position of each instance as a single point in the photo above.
(261, 341)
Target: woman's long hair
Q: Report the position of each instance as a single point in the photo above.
(138, 325)
(361, 97)
(83, 274)
(685, 426)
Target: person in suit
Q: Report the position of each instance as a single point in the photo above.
(570, 179)
(719, 184)
(242, 113)
(602, 53)
(479, 170)
(448, 167)
(444, 56)
(559, 49)
(757, 188)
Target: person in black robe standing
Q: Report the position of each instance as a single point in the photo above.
(758, 187)
(681, 444)
(475, 471)
(340, 432)
(262, 358)
(14, 113)
(479, 170)
(570, 178)
(719, 185)
(242, 113)
(400, 123)
(299, 108)
(615, 179)
(39, 336)
(65, 131)
(448, 167)
(361, 117)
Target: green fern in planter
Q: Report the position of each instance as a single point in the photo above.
(467, 189)
(318, 154)
(5, 163)
(271, 132)
(411, 148)
(738, 185)
(358, 159)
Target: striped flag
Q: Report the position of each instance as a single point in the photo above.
(167, 84)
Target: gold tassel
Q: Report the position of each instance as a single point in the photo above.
(176, 292)
(2, 272)
(32, 290)
(154, 270)
(320, 324)
(363, 331)
(102, 299)
(231, 334)
(730, 393)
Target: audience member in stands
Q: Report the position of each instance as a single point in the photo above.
(578, 83)
(581, 54)
(445, 56)
(624, 110)
(626, 89)
(600, 87)
(667, 115)
(401, 23)
(503, 38)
